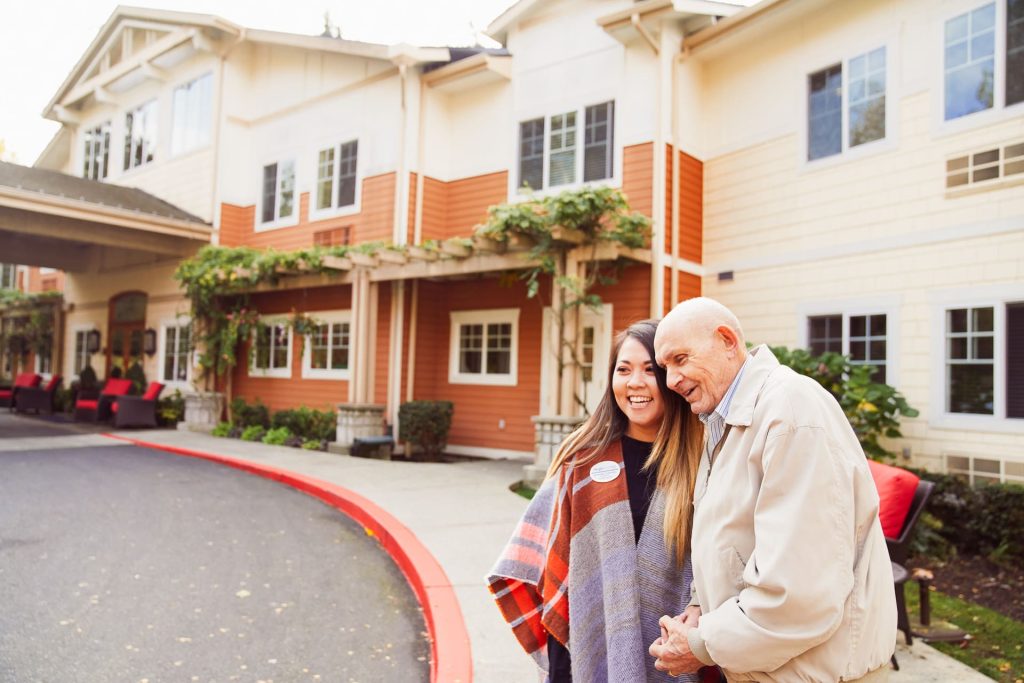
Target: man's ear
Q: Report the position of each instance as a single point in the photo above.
(729, 338)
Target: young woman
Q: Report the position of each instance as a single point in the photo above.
(591, 566)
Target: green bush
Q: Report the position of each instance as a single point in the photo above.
(313, 445)
(62, 401)
(426, 424)
(253, 433)
(171, 409)
(137, 376)
(874, 410)
(308, 423)
(246, 415)
(87, 379)
(277, 436)
(223, 429)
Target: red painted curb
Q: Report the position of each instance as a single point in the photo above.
(451, 658)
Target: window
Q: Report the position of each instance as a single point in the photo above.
(484, 347)
(272, 350)
(549, 147)
(8, 276)
(174, 353)
(278, 191)
(983, 166)
(82, 355)
(192, 118)
(984, 470)
(96, 158)
(44, 358)
(335, 237)
(862, 337)
(326, 354)
(984, 371)
(140, 135)
(972, 68)
(336, 176)
(862, 97)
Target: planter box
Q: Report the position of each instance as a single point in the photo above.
(202, 411)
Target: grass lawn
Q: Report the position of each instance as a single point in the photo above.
(997, 647)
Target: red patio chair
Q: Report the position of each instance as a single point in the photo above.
(39, 399)
(137, 411)
(99, 408)
(25, 380)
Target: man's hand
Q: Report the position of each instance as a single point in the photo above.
(690, 616)
(672, 650)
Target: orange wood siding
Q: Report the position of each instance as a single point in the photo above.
(374, 221)
(479, 407)
(637, 176)
(689, 287)
(280, 393)
(630, 296)
(691, 207)
(454, 208)
(44, 282)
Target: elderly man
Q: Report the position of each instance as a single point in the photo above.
(792, 580)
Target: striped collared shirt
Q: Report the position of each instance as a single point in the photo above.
(714, 422)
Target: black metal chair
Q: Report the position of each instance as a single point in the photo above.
(899, 548)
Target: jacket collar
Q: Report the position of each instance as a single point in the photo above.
(761, 364)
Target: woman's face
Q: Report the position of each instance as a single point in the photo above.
(636, 390)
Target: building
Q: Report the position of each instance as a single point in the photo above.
(843, 175)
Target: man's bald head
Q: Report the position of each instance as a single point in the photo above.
(700, 344)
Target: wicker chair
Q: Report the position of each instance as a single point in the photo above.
(26, 380)
(137, 411)
(99, 408)
(39, 399)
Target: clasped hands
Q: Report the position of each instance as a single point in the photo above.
(672, 650)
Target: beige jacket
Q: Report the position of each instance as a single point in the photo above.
(790, 565)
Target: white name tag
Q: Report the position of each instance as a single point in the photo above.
(603, 471)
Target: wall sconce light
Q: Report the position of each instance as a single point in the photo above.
(92, 341)
(149, 341)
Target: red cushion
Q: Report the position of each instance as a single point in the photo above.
(153, 391)
(52, 384)
(117, 387)
(5, 393)
(28, 379)
(113, 407)
(896, 488)
(86, 403)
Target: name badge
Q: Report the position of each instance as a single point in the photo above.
(604, 471)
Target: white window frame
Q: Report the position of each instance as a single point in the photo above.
(162, 351)
(205, 118)
(84, 330)
(278, 221)
(89, 160)
(280, 373)
(483, 317)
(995, 297)
(327, 317)
(152, 109)
(973, 473)
(889, 307)
(517, 193)
(334, 210)
(846, 152)
(11, 281)
(37, 364)
(999, 111)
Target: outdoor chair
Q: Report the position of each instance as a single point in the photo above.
(26, 380)
(137, 411)
(39, 399)
(899, 547)
(99, 408)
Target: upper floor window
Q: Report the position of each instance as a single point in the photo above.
(8, 276)
(336, 176)
(278, 195)
(96, 157)
(549, 147)
(192, 116)
(862, 98)
(864, 338)
(140, 135)
(972, 69)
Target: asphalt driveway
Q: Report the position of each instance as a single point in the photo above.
(125, 564)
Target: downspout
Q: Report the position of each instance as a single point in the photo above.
(676, 183)
(417, 237)
(657, 306)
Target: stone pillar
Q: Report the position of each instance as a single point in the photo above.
(202, 411)
(355, 421)
(550, 432)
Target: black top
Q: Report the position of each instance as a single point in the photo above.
(641, 485)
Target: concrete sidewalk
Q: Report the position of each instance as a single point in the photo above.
(463, 513)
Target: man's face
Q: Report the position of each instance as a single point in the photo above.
(700, 366)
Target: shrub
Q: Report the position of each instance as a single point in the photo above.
(874, 410)
(253, 433)
(62, 401)
(223, 429)
(137, 376)
(87, 379)
(426, 424)
(277, 436)
(171, 409)
(245, 415)
(313, 445)
(308, 423)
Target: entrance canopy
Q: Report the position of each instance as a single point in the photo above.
(55, 220)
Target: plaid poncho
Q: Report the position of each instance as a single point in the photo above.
(576, 539)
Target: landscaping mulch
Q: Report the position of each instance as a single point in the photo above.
(998, 586)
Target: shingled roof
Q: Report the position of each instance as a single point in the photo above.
(55, 184)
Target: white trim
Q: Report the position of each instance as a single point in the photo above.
(335, 211)
(490, 453)
(125, 133)
(602, 323)
(684, 265)
(996, 297)
(326, 318)
(280, 373)
(278, 222)
(161, 350)
(889, 306)
(483, 317)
